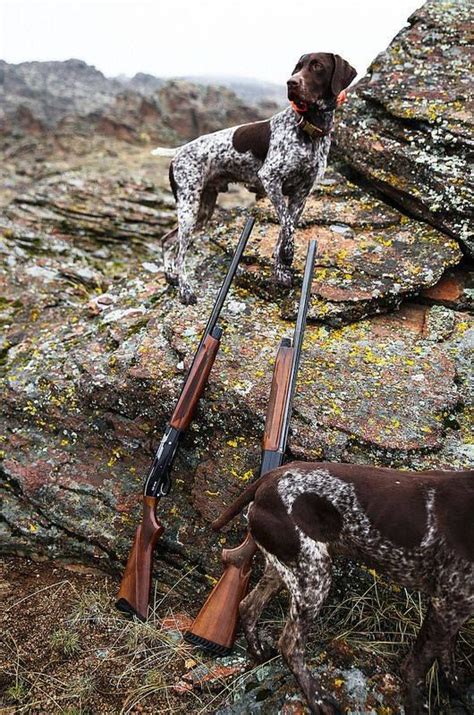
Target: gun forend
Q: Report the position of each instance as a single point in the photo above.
(278, 392)
(196, 381)
(134, 593)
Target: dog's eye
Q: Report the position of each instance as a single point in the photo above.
(315, 65)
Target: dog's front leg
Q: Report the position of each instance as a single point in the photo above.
(274, 192)
(308, 582)
(296, 204)
(188, 207)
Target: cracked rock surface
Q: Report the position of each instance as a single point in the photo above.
(95, 346)
(370, 256)
(408, 127)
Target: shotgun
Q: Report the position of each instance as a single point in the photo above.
(215, 626)
(134, 594)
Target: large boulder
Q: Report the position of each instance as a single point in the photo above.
(95, 347)
(370, 256)
(407, 127)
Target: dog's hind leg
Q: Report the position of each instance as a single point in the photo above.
(308, 583)
(251, 608)
(436, 640)
(207, 205)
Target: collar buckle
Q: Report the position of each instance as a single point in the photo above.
(311, 129)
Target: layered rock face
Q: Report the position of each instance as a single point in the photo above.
(95, 347)
(408, 126)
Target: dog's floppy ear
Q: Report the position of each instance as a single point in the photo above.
(342, 76)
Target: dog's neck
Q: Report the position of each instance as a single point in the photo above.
(316, 121)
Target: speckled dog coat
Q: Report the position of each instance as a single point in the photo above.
(417, 528)
(281, 157)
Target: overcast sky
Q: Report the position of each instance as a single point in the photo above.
(250, 38)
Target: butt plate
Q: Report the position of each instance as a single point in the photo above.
(124, 607)
(209, 646)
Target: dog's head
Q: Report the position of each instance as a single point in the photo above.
(319, 76)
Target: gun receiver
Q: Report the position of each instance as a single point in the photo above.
(215, 627)
(134, 593)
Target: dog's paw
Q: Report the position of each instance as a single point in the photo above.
(187, 295)
(171, 278)
(282, 276)
(263, 653)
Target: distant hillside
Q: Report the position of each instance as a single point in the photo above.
(252, 91)
(74, 97)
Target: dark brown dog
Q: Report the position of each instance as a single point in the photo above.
(415, 527)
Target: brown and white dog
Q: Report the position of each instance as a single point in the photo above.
(281, 157)
(417, 528)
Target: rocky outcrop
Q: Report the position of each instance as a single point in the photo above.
(192, 109)
(253, 92)
(51, 91)
(407, 127)
(95, 346)
(370, 256)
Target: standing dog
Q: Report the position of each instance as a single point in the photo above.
(415, 527)
(281, 157)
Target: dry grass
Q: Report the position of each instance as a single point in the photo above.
(91, 660)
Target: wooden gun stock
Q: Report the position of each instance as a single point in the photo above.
(215, 627)
(134, 593)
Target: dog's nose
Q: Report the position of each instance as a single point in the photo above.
(293, 83)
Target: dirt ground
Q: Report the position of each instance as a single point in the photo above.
(65, 649)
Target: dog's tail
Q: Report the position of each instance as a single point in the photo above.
(243, 500)
(164, 151)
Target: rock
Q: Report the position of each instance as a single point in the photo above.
(454, 290)
(268, 689)
(407, 126)
(192, 109)
(91, 370)
(370, 256)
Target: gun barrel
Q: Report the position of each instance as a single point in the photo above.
(298, 338)
(224, 289)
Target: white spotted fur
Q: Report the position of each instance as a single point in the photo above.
(205, 166)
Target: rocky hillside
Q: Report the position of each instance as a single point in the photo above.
(252, 92)
(73, 98)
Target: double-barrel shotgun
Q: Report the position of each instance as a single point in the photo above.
(215, 627)
(134, 594)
